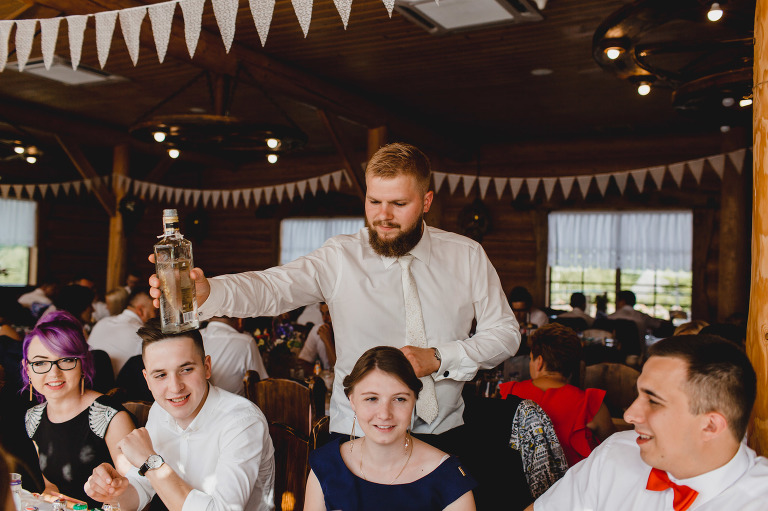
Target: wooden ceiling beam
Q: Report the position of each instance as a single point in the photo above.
(83, 166)
(352, 170)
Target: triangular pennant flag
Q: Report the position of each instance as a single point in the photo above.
(215, 194)
(267, 194)
(533, 184)
(584, 184)
(290, 190)
(5, 190)
(279, 193)
(76, 187)
(301, 186)
(566, 184)
(177, 194)
(187, 196)
(515, 184)
(677, 169)
(105, 27)
(225, 194)
(49, 32)
(136, 186)
(55, 189)
(206, 197)
(88, 184)
(25, 33)
(152, 191)
(161, 190)
(303, 10)
(325, 181)
(736, 157)
(43, 189)
(76, 30)
(718, 163)
(5, 34)
(344, 7)
(161, 17)
(262, 11)
(313, 185)
(144, 188)
(336, 178)
(453, 182)
(657, 173)
(549, 185)
(468, 182)
(193, 21)
(638, 176)
(226, 17)
(65, 187)
(482, 185)
(499, 183)
(389, 4)
(196, 197)
(17, 190)
(130, 24)
(257, 196)
(696, 166)
(247, 196)
(30, 190)
(438, 178)
(602, 182)
(235, 197)
(621, 181)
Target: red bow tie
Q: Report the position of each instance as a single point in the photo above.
(684, 496)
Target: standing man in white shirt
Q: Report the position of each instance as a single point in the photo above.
(232, 354)
(361, 280)
(203, 449)
(695, 397)
(117, 334)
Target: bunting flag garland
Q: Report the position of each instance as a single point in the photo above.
(130, 24)
(344, 7)
(5, 34)
(161, 17)
(226, 17)
(25, 33)
(193, 22)
(105, 27)
(49, 33)
(303, 10)
(76, 32)
(262, 10)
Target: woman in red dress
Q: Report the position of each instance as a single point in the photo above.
(580, 417)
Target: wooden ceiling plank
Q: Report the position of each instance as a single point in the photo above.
(352, 171)
(83, 166)
(21, 12)
(162, 167)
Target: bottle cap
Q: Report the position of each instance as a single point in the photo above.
(170, 212)
(80, 507)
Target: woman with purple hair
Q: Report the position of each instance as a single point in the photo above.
(75, 428)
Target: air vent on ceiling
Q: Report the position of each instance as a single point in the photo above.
(460, 15)
(61, 71)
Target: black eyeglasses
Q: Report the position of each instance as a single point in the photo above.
(43, 366)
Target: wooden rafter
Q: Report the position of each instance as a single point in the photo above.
(344, 154)
(84, 167)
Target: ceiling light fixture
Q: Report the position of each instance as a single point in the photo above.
(19, 149)
(613, 52)
(31, 159)
(745, 102)
(715, 12)
(174, 153)
(644, 88)
(272, 143)
(272, 158)
(159, 136)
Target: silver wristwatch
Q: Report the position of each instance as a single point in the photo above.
(153, 462)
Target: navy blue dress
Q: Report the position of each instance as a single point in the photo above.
(344, 490)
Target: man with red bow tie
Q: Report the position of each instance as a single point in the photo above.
(686, 453)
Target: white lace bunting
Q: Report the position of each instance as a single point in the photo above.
(161, 17)
(130, 24)
(49, 32)
(25, 33)
(344, 7)
(105, 28)
(262, 11)
(5, 34)
(303, 10)
(75, 30)
(226, 17)
(193, 20)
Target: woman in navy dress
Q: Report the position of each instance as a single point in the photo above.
(387, 468)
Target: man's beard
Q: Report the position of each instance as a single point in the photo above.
(398, 246)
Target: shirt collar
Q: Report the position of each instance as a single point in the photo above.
(422, 251)
(132, 315)
(714, 482)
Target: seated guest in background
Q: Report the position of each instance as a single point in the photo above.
(601, 306)
(695, 397)
(387, 468)
(232, 354)
(75, 428)
(100, 309)
(691, 328)
(311, 314)
(320, 344)
(132, 281)
(203, 447)
(117, 335)
(521, 302)
(78, 301)
(40, 298)
(578, 306)
(580, 417)
(117, 300)
(625, 309)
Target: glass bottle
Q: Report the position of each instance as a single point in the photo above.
(16, 490)
(173, 260)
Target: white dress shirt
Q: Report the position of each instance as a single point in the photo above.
(314, 348)
(225, 454)
(117, 336)
(614, 477)
(311, 314)
(232, 354)
(35, 296)
(364, 293)
(578, 313)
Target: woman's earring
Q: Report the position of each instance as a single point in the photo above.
(407, 440)
(352, 435)
(82, 386)
(31, 393)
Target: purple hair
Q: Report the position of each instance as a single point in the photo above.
(62, 335)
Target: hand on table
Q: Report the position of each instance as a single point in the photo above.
(105, 484)
(202, 287)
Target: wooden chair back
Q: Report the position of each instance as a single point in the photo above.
(295, 404)
(619, 382)
(139, 410)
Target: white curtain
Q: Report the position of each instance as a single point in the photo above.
(655, 240)
(17, 222)
(300, 236)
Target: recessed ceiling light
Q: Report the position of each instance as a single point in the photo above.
(61, 71)
(541, 71)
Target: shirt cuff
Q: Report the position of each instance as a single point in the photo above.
(214, 301)
(450, 355)
(196, 501)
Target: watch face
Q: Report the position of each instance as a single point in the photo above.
(154, 461)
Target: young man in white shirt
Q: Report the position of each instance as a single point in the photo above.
(695, 397)
(203, 449)
(232, 353)
(319, 344)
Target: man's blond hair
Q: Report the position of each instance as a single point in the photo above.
(397, 159)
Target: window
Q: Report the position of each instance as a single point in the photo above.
(17, 239)
(300, 236)
(600, 253)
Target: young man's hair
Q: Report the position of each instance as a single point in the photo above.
(579, 300)
(152, 332)
(397, 159)
(720, 377)
(627, 297)
(520, 294)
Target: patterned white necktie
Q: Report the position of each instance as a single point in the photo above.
(426, 406)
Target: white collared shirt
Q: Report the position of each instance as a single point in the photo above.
(117, 336)
(232, 354)
(364, 292)
(614, 477)
(578, 313)
(225, 454)
(314, 348)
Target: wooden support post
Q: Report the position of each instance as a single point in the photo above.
(116, 253)
(377, 137)
(757, 326)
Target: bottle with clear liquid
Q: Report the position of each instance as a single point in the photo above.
(173, 260)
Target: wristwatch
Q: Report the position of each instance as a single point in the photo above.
(153, 462)
(437, 356)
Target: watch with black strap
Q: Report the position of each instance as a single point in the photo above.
(153, 462)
